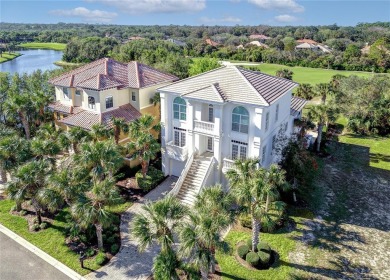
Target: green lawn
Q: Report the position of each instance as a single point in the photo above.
(49, 46)
(52, 239)
(309, 75)
(5, 56)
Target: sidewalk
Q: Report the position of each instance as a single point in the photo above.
(128, 263)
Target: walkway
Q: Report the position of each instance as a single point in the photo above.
(130, 264)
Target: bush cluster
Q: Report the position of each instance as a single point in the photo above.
(100, 258)
(258, 259)
(152, 179)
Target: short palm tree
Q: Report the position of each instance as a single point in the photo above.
(276, 178)
(18, 104)
(248, 191)
(200, 236)
(321, 114)
(305, 91)
(102, 158)
(285, 73)
(323, 90)
(26, 184)
(143, 144)
(119, 125)
(45, 149)
(90, 209)
(99, 132)
(76, 135)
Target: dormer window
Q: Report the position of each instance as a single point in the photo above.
(91, 102)
(109, 102)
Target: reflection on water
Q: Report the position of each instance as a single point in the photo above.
(32, 60)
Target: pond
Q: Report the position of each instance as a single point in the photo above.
(32, 60)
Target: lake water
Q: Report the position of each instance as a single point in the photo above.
(32, 60)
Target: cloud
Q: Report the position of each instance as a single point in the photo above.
(228, 19)
(280, 5)
(285, 18)
(155, 6)
(86, 14)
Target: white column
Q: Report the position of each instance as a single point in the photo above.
(190, 127)
(255, 133)
(165, 128)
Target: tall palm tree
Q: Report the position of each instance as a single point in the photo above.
(200, 236)
(276, 179)
(76, 135)
(45, 149)
(90, 209)
(305, 91)
(102, 158)
(119, 125)
(248, 191)
(99, 132)
(321, 114)
(18, 104)
(323, 90)
(143, 144)
(27, 182)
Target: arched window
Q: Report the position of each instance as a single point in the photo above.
(91, 102)
(179, 109)
(240, 120)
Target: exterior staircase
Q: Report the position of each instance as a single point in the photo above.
(194, 179)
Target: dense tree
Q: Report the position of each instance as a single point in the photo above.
(305, 91)
(285, 73)
(201, 65)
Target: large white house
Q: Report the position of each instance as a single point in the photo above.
(213, 118)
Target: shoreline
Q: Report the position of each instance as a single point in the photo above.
(62, 63)
(5, 56)
(43, 46)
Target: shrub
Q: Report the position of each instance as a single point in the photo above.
(13, 208)
(249, 243)
(264, 247)
(264, 257)
(23, 212)
(35, 227)
(90, 252)
(153, 177)
(100, 258)
(111, 240)
(83, 238)
(245, 220)
(114, 248)
(35, 220)
(44, 225)
(252, 258)
(242, 250)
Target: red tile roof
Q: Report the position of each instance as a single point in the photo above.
(86, 119)
(107, 73)
(67, 109)
(307, 41)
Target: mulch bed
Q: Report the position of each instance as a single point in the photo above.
(129, 189)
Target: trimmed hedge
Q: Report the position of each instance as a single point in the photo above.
(242, 250)
(264, 257)
(264, 247)
(252, 258)
(248, 242)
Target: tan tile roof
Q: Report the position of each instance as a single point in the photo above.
(59, 107)
(307, 41)
(86, 119)
(107, 73)
(235, 84)
(212, 93)
(211, 43)
(259, 37)
(297, 105)
(258, 44)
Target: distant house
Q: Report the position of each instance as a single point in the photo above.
(132, 38)
(177, 42)
(313, 47)
(211, 43)
(259, 37)
(240, 47)
(309, 41)
(258, 44)
(366, 49)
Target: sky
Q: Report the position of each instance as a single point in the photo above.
(196, 12)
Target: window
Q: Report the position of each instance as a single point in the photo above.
(109, 102)
(266, 121)
(179, 109)
(263, 153)
(240, 120)
(58, 116)
(273, 142)
(277, 113)
(239, 150)
(179, 137)
(211, 113)
(91, 102)
(210, 144)
(78, 92)
(66, 93)
(133, 96)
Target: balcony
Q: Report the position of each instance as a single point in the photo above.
(176, 152)
(204, 127)
(227, 164)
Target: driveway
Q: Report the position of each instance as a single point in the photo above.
(18, 263)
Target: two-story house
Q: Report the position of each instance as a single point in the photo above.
(211, 119)
(96, 92)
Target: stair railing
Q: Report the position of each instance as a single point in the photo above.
(210, 167)
(182, 177)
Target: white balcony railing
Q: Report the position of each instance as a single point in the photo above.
(227, 164)
(182, 177)
(203, 127)
(176, 152)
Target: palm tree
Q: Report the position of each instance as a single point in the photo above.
(90, 209)
(76, 135)
(285, 73)
(119, 125)
(305, 91)
(102, 158)
(276, 179)
(28, 181)
(99, 132)
(322, 114)
(45, 149)
(143, 144)
(200, 236)
(18, 104)
(323, 90)
(248, 191)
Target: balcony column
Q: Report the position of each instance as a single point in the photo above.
(254, 133)
(190, 128)
(164, 134)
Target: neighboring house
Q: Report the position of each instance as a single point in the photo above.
(312, 47)
(259, 37)
(258, 44)
(211, 43)
(211, 119)
(96, 92)
(309, 41)
(177, 42)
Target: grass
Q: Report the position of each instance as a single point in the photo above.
(281, 241)
(67, 64)
(5, 56)
(47, 46)
(52, 239)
